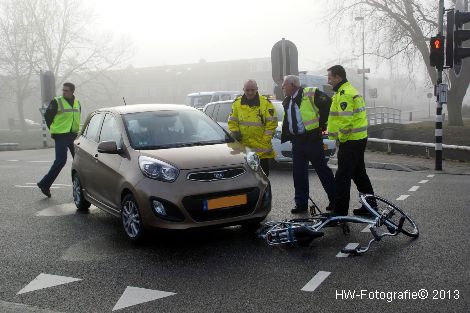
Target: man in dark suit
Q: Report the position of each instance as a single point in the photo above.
(306, 115)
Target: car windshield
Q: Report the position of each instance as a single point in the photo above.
(199, 101)
(170, 129)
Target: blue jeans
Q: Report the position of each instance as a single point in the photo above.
(62, 143)
(305, 150)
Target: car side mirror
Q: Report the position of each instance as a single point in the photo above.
(109, 147)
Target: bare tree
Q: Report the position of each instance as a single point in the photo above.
(17, 52)
(402, 28)
(56, 35)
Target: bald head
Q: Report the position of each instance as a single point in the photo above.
(250, 88)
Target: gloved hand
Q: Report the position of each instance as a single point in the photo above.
(237, 136)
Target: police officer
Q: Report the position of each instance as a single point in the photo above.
(253, 122)
(63, 120)
(347, 123)
(306, 113)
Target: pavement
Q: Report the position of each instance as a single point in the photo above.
(406, 163)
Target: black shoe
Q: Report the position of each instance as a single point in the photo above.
(84, 211)
(330, 207)
(45, 191)
(298, 209)
(362, 212)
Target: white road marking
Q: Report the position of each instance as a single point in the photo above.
(316, 281)
(414, 188)
(39, 161)
(65, 185)
(45, 281)
(13, 160)
(29, 186)
(366, 229)
(430, 176)
(402, 197)
(424, 181)
(61, 210)
(134, 295)
(351, 245)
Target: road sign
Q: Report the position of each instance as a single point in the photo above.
(363, 70)
(284, 60)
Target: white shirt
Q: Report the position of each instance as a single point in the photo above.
(300, 124)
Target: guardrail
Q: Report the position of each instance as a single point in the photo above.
(382, 115)
(389, 143)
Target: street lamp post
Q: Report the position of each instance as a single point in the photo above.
(360, 18)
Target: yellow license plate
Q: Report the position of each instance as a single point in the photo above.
(226, 202)
(325, 146)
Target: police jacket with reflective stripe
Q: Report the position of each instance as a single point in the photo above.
(348, 119)
(256, 123)
(314, 107)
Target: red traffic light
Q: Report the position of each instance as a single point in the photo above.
(437, 43)
(436, 55)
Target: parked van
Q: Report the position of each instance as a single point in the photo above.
(199, 99)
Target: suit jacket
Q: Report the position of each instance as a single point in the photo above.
(322, 101)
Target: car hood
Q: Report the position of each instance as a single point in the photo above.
(207, 156)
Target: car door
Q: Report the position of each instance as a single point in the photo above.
(86, 149)
(108, 177)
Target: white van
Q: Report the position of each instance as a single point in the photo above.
(199, 99)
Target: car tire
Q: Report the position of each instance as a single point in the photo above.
(131, 219)
(78, 197)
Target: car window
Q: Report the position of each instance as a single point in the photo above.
(224, 111)
(93, 127)
(210, 110)
(110, 130)
(169, 129)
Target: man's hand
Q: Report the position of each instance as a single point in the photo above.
(237, 136)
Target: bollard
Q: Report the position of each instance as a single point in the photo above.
(411, 116)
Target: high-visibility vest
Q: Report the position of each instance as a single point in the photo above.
(67, 119)
(308, 109)
(348, 117)
(256, 124)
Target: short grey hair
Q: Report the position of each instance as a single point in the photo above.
(250, 81)
(292, 79)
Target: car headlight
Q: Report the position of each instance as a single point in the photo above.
(277, 134)
(156, 169)
(252, 159)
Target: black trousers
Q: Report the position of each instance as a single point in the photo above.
(265, 165)
(350, 166)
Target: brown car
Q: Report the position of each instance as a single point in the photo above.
(166, 166)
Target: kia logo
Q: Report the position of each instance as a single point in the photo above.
(219, 175)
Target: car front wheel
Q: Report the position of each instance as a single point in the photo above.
(78, 198)
(131, 220)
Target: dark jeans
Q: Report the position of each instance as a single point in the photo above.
(351, 166)
(307, 149)
(265, 165)
(62, 143)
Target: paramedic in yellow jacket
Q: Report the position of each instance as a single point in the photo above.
(347, 123)
(253, 122)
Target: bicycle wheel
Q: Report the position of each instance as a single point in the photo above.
(391, 213)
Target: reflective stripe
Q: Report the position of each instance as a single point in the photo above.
(263, 150)
(352, 130)
(315, 120)
(251, 123)
(359, 110)
(61, 104)
(231, 118)
(346, 113)
(269, 132)
(270, 119)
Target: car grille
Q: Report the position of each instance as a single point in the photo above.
(195, 205)
(219, 174)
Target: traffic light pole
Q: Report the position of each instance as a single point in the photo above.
(441, 95)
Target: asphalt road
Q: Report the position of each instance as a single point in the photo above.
(90, 267)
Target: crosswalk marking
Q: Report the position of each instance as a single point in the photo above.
(424, 181)
(134, 295)
(45, 281)
(430, 176)
(414, 188)
(351, 245)
(366, 229)
(316, 281)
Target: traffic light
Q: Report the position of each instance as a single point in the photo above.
(436, 56)
(455, 37)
